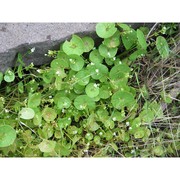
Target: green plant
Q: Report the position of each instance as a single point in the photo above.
(89, 101)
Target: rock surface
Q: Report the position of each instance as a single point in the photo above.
(21, 37)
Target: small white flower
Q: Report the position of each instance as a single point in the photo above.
(63, 110)
(86, 150)
(92, 63)
(130, 128)
(38, 70)
(114, 119)
(97, 70)
(127, 123)
(69, 118)
(70, 60)
(32, 64)
(114, 58)
(6, 110)
(120, 62)
(58, 73)
(81, 107)
(114, 133)
(100, 133)
(95, 85)
(33, 49)
(109, 54)
(132, 151)
(50, 97)
(74, 132)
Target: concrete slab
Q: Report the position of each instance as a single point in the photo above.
(20, 37)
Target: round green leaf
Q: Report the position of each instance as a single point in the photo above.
(78, 89)
(122, 99)
(89, 136)
(37, 118)
(117, 116)
(105, 30)
(158, 150)
(64, 122)
(75, 46)
(58, 95)
(7, 135)
(98, 71)
(162, 46)
(109, 61)
(26, 113)
(63, 102)
(72, 130)
(76, 62)
(113, 41)
(109, 135)
(97, 139)
(104, 92)
(107, 52)
(48, 131)
(92, 90)
(88, 43)
(9, 76)
(95, 56)
(129, 38)
(34, 100)
(119, 71)
(48, 76)
(47, 146)
(49, 114)
(83, 101)
(62, 61)
(59, 63)
(82, 77)
(141, 39)
(139, 133)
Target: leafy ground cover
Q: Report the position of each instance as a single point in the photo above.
(116, 98)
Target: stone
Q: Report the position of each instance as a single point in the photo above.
(21, 37)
